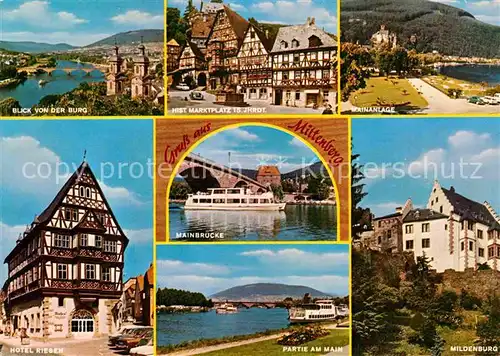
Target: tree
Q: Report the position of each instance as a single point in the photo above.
(487, 330)
(180, 190)
(189, 10)
(177, 28)
(8, 105)
(353, 58)
(278, 191)
(357, 195)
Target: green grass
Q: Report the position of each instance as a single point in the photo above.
(443, 83)
(337, 338)
(381, 91)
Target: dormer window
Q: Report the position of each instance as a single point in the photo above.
(284, 44)
(252, 34)
(295, 43)
(314, 41)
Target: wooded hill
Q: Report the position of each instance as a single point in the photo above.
(447, 29)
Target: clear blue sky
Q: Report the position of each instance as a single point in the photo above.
(420, 143)
(292, 12)
(251, 146)
(483, 10)
(108, 142)
(76, 22)
(212, 268)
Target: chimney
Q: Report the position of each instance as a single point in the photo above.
(452, 189)
(399, 209)
(313, 21)
(308, 21)
(267, 33)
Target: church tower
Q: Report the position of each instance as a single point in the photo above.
(116, 76)
(142, 80)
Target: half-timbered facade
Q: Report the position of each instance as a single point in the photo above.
(254, 64)
(173, 52)
(224, 41)
(304, 66)
(66, 270)
(192, 63)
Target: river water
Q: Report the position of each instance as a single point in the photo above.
(172, 329)
(297, 222)
(30, 92)
(474, 73)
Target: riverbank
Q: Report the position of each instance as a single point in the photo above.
(263, 343)
(444, 84)
(11, 82)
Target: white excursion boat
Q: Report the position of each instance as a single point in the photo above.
(232, 199)
(226, 308)
(321, 310)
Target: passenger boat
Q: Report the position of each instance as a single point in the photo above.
(321, 310)
(226, 308)
(232, 199)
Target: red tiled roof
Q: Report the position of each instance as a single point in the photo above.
(268, 171)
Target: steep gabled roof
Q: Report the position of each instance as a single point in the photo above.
(393, 215)
(238, 23)
(302, 33)
(266, 42)
(196, 51)
(200, 28)
(423, 215)
(468, 208)
(173, 42)
(47, 214)
(139, 286)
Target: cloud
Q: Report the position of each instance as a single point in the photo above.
(485, 3)
(294, 259)
(177, 268)
(38, 14)
(427, 160)
(74, 39)
(140, 236)
(296, 12)
(37, 170)
(297, 143)
(209, 285)
(237, 7)
(139, 19)
(491, 19)
(243, 135)
(468, 139)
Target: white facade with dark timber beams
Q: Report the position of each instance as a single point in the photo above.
(453, 231)
(304, 63)
(66, 270)
(254, 62)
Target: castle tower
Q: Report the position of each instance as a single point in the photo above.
(116, 77)
(142, 80)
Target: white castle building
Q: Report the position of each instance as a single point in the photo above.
(453, 231)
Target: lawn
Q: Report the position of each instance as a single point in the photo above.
(337, 338)
(444, 83)
(388, 92)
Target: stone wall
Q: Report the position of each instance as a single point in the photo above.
(480, 283)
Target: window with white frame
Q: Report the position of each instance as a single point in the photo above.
(90, 271)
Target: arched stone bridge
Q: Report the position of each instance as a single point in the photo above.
(68, 71)
(201, 173)
(247, 304)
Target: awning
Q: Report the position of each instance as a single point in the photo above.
(312, 91)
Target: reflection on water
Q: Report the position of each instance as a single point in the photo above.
(297, 222)
(474, 73)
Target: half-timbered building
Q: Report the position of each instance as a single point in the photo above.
(65, 272)
(224, 41)
(199, 29)
(304, 66)
(173, 52)
(254, 63)
(192, 63)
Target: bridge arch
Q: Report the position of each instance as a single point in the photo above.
(193, 147)
(199, 178)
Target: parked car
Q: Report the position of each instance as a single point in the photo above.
(490, 100)
(476, 100)
(146, 350)
(129, 342)
(196, 95)
(183, 87)
(129, 331)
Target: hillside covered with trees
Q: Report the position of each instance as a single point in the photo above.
(449, 30)
(170, 296)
